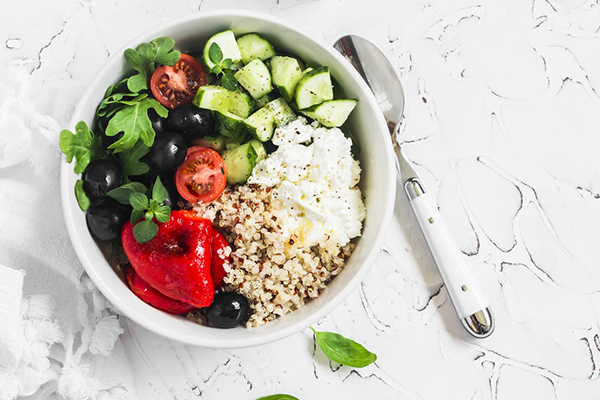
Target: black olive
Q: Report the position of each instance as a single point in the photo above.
(159, 124)
(191, 121)
(101, 176)
(228, 310)
(168, 151)
(105, 220)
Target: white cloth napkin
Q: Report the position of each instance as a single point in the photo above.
(58, 335)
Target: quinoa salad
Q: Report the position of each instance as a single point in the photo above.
(223, 182)
(290, 226)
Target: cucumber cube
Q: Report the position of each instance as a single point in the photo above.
(282, 112)
(261, 124)
(255, 78)
(252, 46)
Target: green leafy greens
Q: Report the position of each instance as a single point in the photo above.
(146, 59)
(83, 146)
(343, 350)
(132, 119)
(278, 397)
(134, 194)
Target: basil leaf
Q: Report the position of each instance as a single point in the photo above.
(136, 215)
(82, 199)
(278, 397)
(139, 201)
(135, 124)
(124, 192)
(162, 214)
(83, 146)
(226, 63)
(229, 82)
(144, 231)
(215, 54)
(343, 350)
(159, 193)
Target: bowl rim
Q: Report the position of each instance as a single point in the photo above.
(69, 202)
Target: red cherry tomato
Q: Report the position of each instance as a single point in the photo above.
(176, 85)
(201, 176)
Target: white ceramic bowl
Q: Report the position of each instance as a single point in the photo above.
(377, 181)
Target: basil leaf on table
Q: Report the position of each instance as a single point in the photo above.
(278, 397)
(343, 350)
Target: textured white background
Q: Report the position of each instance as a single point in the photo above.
(503, 123)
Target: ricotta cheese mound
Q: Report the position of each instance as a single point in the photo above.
(314, 180)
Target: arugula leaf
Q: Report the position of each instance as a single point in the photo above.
(343, 350)
(84, 146)
(82, 199)
(278, 397)
(146, 59)
(130, 160)
(134, 122)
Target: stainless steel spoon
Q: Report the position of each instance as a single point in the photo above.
(468, 299)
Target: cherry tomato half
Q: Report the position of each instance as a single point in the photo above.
(176, 85)
(201, 176)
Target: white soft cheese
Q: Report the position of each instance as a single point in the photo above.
(315, 183)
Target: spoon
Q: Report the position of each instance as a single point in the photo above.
(469, 302)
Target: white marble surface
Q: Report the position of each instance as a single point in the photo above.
(503, 122)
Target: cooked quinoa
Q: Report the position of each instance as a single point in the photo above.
(275, 270)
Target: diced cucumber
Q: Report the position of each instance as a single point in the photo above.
(314, 88)
(233, 142)
(228, 46)
(252, 46)
(212, 97)
(282, 112)
(217, 98)
(255, 78)
(331, 113)
(241, 104)
(229, 124)
(217, 143)
(261, 124)
(239, 163)
(261, 152)
(260, 103)
(286, 72)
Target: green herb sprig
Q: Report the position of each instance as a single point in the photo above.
(134, 194)
(343, 350)
(147, 58)
(222, 67)
(278, 397)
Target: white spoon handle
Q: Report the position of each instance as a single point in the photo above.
(471, 305)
